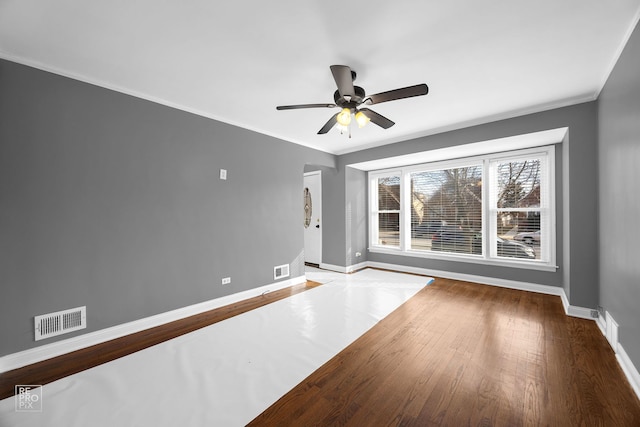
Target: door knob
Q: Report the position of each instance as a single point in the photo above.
(318, 226)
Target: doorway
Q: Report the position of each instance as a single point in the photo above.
(312, 211)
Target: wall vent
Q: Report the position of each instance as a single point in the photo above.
(281, 271)
(60, 322)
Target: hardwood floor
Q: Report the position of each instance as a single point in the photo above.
(460, 354)
(456, 354)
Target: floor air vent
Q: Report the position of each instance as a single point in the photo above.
(60, 322)
(281, 271)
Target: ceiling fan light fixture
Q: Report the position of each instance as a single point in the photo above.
(350, 98)
(344, 117)
(362, 119)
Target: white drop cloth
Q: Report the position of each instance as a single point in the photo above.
(227, 373)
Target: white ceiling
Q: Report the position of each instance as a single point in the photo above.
(234, 61)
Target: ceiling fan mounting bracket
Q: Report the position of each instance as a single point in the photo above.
(353, 102)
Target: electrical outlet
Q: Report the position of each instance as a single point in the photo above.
(358, 254)
(226, 280)
(223, 174)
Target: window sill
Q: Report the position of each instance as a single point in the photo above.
(472, 259)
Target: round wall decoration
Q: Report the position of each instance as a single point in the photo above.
(307, 208)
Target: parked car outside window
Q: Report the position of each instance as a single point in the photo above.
(528, 237)
(456, 239)
(453, 239)
(427, 228)
(511, 249)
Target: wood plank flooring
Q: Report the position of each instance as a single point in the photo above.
(460, 354)
(456, 354)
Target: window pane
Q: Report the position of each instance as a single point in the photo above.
(389, 229)
(518, 234)
(389, 193)
(518, 184)
(446, 210)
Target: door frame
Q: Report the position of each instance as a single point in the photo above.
(315, 203)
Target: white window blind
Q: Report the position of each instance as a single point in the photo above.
(446, 210)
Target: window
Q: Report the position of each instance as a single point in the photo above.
(494, 209)
(519, 208)
(387, 210)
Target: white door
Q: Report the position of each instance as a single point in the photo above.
(312, 215)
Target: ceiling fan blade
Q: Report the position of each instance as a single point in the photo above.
(405, 92)
(344, 80)
(327, 126)
(296, 107)
(378, 119)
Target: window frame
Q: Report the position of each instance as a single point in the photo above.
(547, 262)
(374, 209)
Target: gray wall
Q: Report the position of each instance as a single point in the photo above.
(619, 173)
(357, 217)
(115, 203)
(576, 160)
(333, 211)
(344, 203)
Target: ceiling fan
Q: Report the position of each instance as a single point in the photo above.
(349, 98)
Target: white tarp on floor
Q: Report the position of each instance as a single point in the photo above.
(227, 373)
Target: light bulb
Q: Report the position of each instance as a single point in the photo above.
(344, 117)
(362, 119)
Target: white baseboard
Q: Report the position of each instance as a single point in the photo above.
(629, 369)
(582, 312)
(336, 268)
(570, 310)
(565, 301)
(348, 269)
(47, 351)
(575, 311)
(609, 328)
(511, 284)
(331, 267)
(356, 267)
(602, 325)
